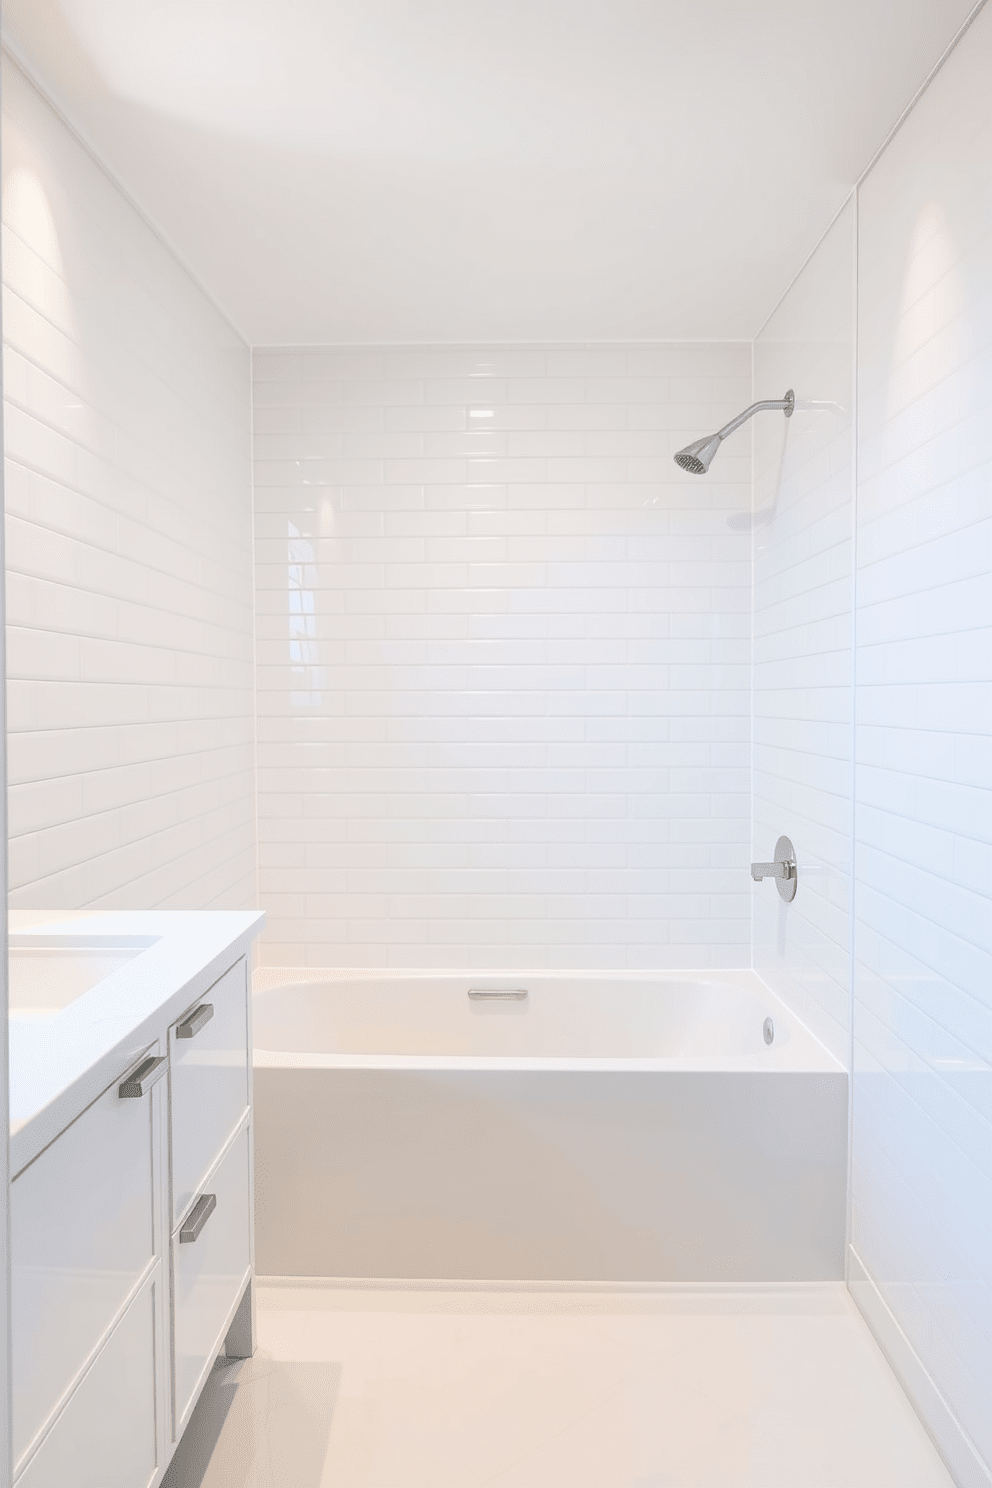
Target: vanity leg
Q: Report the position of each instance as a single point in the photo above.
(240, 1340)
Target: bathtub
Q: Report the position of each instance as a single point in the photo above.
(556, 1128)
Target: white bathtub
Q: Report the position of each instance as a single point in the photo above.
(615, 1129)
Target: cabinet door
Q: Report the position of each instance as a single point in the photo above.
(208, 1083)
(83, 1234)
(209, 1275)
(105, 1436)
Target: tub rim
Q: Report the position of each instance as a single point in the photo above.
(803, 1056)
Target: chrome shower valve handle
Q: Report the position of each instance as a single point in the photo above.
(783, 869)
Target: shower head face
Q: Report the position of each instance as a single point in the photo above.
(696, 458)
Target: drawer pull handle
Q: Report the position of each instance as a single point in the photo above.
(197, 1218)
(497, 994)
(191, 1025)
(141, 1080)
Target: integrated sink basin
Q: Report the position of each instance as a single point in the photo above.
(48, 972)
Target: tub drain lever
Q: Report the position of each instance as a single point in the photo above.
(783, 869)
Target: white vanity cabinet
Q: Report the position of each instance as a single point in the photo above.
(132, 1255)
(210, 1132)
(106, 1435)
(209, 1086)
(209, 1274)
(88, 1289)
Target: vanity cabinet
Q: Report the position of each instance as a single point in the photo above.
(131, 1237)
(106, 1434)
(209, 1275)
(209, 1111)
(208, 1083)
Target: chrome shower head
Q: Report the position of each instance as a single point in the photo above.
(697, 457)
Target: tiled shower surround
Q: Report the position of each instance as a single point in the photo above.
(897, 580)
(128, 530)
(803, 569)
(503, 658)
(922, 1160)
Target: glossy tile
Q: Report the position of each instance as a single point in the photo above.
(802, 532)
(922, 1173)
(418, 581)
(129, 557)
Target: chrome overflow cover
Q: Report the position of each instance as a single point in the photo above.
(768, 1030)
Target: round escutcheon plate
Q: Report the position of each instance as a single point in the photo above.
(786, 853)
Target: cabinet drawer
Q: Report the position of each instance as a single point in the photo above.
(208, 1081)
(105, 1436)
(83, 1226)
(209, 1275)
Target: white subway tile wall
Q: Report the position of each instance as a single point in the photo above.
(922, 1174)
(129, 548)
(803, 556)
(503, 657)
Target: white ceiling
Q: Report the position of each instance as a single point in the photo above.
(467, 170)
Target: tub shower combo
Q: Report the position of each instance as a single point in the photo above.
(630, 1128)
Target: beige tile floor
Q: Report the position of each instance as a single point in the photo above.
(391, 1389)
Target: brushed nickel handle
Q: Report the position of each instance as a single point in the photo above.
(197, 1218)
(141, 1080)
(783, 869)
(501, 994)
(194, 1021)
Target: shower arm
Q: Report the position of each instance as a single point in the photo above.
(784, 405)
(696, 457)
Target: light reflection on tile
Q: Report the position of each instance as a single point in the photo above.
(129, 562)
(261, 1423)
(392, 1389)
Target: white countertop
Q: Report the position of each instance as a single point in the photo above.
(59, 1064)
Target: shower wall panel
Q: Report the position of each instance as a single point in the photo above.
(129, 583)
(803, 557)
(503, 647)
(922, 1165)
